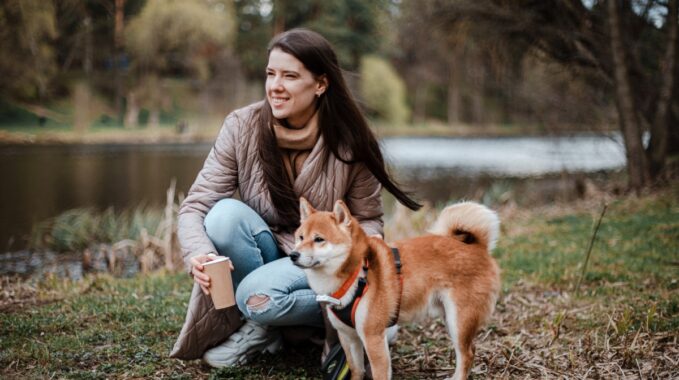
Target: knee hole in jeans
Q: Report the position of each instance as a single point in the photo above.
(257, 302)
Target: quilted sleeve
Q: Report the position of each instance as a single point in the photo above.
(364, 199)
(218, 179)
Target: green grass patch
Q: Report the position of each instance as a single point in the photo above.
(104, 327)
(111, 327)
(633, 245)
(628, 309)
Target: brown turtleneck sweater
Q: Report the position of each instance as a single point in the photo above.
(296, 144)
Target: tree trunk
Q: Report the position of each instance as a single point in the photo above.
(673, 130)
(89, 48)
(476, 76)
(420, 106)
(155, 93)
(82, 104)
(132, 112)
(627, 112)
(154, 118)
(657, 147)
(117, 55)
(454, 93)
(278, 17)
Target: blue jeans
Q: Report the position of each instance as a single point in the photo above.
(260, 268)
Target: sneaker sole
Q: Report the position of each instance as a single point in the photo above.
(271, 348)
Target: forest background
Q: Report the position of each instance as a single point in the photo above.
(537, 66)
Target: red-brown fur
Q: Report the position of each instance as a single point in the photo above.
(438, 271)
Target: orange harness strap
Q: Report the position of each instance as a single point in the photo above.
(348, 313)
(339, 293)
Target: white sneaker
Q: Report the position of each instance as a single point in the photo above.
(251, 339)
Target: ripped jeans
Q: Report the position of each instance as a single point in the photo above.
(261, 269)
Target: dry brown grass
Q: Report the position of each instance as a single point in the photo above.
(535, 333)
(618, 329)
(14, 292)
(623, 325)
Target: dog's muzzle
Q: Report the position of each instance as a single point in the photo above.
(299, 261)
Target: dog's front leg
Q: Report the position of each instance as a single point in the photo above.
(353, 349)
(377, 348)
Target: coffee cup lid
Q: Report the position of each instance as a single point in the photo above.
(215, 261)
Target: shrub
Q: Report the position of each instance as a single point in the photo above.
(383, 91)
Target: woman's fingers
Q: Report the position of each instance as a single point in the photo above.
(202, 280)
(204, 285)
(196, 263)
(200, 277)
(206, 290)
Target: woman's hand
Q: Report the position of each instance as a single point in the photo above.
(199, 276)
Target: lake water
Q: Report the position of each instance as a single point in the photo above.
(39, 182)
(516, 156)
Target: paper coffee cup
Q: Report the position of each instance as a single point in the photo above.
(221, 286)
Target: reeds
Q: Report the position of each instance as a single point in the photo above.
(150, 234)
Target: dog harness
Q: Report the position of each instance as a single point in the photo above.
(347, 314)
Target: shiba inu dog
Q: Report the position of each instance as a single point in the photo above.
(368, 286)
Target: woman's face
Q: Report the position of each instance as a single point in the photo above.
(291, 89)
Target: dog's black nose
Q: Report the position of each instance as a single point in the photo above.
(294, 255)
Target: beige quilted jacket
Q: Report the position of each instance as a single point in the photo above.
(233, 165)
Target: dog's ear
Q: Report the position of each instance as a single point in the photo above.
(305, 209)
(342, 214)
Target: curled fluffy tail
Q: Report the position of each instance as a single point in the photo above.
(469, 222)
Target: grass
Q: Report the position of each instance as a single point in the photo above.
(625, 322)
(59, 134)
(205, 129)
(19, 125)
(144, 236)
(98, 327)
(635, 240)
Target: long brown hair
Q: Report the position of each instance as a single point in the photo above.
(340, 121)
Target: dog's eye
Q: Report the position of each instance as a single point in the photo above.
(301, 237)
(318, 239)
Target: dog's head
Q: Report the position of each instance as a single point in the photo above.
(324, 239)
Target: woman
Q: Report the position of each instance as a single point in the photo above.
(307, 138)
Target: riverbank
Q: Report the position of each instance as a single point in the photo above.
(202, 131)
(623, 323)
(50, 180)
(105, 135)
